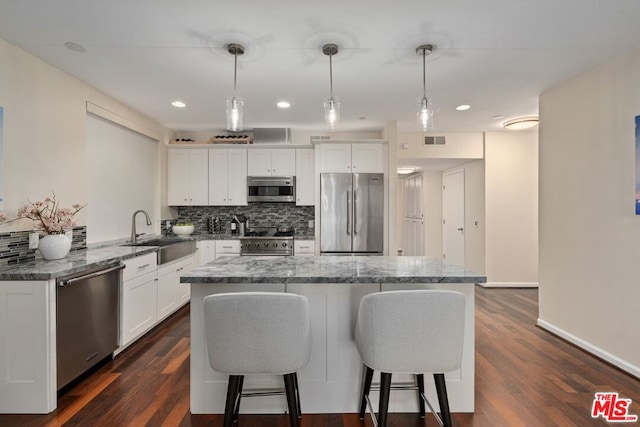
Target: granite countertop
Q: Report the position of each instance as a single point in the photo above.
(331, 269)
(75, 262)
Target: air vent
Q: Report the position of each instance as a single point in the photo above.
(314, 138)
(434, 140)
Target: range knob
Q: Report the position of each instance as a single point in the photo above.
(275, 245)
(284, 244)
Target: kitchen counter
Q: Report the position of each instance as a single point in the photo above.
(332, 269)
(74, 262)
(334, 286)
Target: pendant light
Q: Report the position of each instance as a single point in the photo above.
(235, 105)
(331, 104)
(425, 108)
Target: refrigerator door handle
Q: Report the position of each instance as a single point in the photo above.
(348, 212)
(355, 214)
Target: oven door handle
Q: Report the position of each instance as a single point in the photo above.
(266, 254)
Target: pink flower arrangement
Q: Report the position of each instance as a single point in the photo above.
(48, 216)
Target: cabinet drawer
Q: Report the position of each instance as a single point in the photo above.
(227, 247)
(140, 265)
(304, 247)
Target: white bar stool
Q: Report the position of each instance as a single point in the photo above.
(258, 333)
(410, 332)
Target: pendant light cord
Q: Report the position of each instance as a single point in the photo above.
(331, 76)
(424, 73)
(235, 70)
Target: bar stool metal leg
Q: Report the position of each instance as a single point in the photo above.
(443, 400)
(385, 391)
(366, 387)
(232, 397)
(236, 411)
(295, 381)
(420, 381)
(290, 389)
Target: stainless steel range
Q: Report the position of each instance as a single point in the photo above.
(269, 241)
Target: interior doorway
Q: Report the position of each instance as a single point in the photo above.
(453, 217)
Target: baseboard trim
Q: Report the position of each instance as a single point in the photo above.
(509, 285)
(590, 348)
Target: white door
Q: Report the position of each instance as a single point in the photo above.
(453, 217)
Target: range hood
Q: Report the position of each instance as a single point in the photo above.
(271, 136)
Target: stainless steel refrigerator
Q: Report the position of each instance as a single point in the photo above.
(351, 213)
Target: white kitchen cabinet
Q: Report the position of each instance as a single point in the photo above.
(352, 158)
(305, 177)
(304, 247)
(227, 248)
(228, 177)
(171, 293)
(271, 162)
(138, 294)
(188, 177)
(206, 252)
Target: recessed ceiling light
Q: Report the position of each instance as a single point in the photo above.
(463, 107)
(362, 118)
(74, 47)
(406, 171)
(283, 104)
(178, 104)
(521, 123)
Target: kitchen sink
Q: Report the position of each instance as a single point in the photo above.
(169, 250)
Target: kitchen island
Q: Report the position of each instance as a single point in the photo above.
(334, 285)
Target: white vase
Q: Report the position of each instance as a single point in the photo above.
(54, 246)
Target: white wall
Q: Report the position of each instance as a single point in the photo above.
(45, 112)
(123, 171)
(459, 145)
(511, 191)
(589, 234)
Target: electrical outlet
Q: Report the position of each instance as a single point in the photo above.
(311, 223)
(167, 224)
(34, 238)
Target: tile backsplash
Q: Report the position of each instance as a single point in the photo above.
(14, 246)
(259, 214)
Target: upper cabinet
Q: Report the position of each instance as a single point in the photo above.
(352, 158)
(228, 177)
(305, 177)
(271, 162)
(187, 177)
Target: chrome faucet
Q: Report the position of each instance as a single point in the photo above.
(134, 235)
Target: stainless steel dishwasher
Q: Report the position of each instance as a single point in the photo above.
(87, 320)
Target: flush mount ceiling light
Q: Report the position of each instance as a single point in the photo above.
(283, 104)
(178, 104)
(521, 123)
(331, 104)
(406, 171)
(235, 105)
(425, 108)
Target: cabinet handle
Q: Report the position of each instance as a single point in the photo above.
(226, 247)
(143, 266)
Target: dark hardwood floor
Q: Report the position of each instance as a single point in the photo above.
(524, 377)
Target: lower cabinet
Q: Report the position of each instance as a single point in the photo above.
(171, 293)
(206, 252)
(149, 294)
(304, 247)
(227, 248)
(138, 311)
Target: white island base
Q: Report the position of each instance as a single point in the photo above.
(331, 381)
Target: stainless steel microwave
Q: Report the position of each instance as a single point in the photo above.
(271, 189)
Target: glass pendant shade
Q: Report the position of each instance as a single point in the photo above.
(331, 112)
(235, 114)
(425, 115)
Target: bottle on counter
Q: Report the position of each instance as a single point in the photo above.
(234, 227)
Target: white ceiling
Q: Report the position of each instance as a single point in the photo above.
(496, 55)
